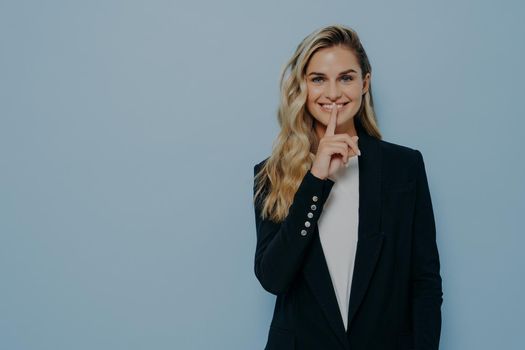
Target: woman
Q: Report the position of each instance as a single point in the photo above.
(345, 227)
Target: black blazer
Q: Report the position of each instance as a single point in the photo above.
(396, 295)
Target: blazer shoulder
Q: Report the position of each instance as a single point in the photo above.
(401, 155)
(258, 165)
(400, 162)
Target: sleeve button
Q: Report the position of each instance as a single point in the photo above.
(315, 198)
(303, 232)
(313, 207)
(310, 215)
(307, 224)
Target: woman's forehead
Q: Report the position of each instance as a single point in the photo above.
(333, 60)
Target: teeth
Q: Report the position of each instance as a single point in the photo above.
(330, 106)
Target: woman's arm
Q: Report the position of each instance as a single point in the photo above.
(426, 279)
(281, 246)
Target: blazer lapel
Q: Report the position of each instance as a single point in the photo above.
(370, 237)
(318, 277)
(368, 246)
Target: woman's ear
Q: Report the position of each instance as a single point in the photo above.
(366, 83)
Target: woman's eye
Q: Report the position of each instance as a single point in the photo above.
(345, 78)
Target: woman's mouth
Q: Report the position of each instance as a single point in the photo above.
(328, 107)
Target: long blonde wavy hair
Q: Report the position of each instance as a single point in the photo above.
(294, 149)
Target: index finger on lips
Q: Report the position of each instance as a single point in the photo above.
(330, 128)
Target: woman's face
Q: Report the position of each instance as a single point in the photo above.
(333, 75)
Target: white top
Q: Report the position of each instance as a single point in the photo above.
(338, 231)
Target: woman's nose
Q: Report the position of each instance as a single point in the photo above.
(333, 91)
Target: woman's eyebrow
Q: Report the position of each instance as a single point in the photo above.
(343, 72)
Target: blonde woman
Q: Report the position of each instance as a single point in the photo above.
(346, 236)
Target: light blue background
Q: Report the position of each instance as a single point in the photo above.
(128, 135)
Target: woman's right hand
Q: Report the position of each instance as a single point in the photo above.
(334, 150)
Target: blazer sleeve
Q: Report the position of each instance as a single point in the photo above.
(426, 279)
(281, 247)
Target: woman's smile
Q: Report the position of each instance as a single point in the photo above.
(328, 107)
